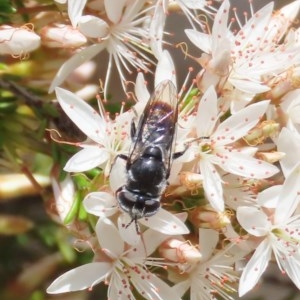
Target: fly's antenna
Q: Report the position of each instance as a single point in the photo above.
(137, 228)
(131, 221)
(144, 244)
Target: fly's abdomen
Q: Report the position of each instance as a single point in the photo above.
(161, 125)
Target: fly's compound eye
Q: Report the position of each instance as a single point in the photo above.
(136, 205)
(151, 206)
(126, 200)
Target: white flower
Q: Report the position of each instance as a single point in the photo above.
(106, 138)
(216, 47)
(122, 268)
(238, 190)
(278, 231)
(242, 64)
(216, 148)
(123, 36)
(213, 276)
(188, 7)
(18, 41)
(104, 204)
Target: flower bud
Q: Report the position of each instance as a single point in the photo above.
(179, 251)
(62, 36)
(262, 131)
(281, 87)
(64, 197)
(270, 157)
(206, 217)
(18, 41)
(192, 181)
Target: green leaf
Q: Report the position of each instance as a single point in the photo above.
(6, 9)
(82, 181)
(73, 212)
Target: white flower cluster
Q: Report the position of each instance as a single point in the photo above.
(233, 196)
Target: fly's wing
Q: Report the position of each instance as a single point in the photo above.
(157, 124)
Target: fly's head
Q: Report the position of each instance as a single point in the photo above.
(137, 205)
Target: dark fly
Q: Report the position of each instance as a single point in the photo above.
(150, 157)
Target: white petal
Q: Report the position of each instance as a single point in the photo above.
(248, 86)
(149, 243)
(156, 31)
(289, 143)
(289, 196)
(291, 265)
(208, 239)
(114, 9)
(100, 204)
(118, 176)
(182, 216)
(129, 233)
(75, 8)
(93, 27)
(255, 268)
(109, 237)
(82, 114)
(269, 197)
(181, 288)
(212, 185)
(75, 61)
(240, 164)
(254, 29)
(166, 223)
(140, 88)
(220, 29)
(238, 125)
(205, 122)
(80, 278)
(195, 4)
(152, 287)
(201, 40)
(165, 69)
(133, 9)
(86, 159)
(119, 287)
(243, 245)
(253, 220)
(244, 100)
(281, 21)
